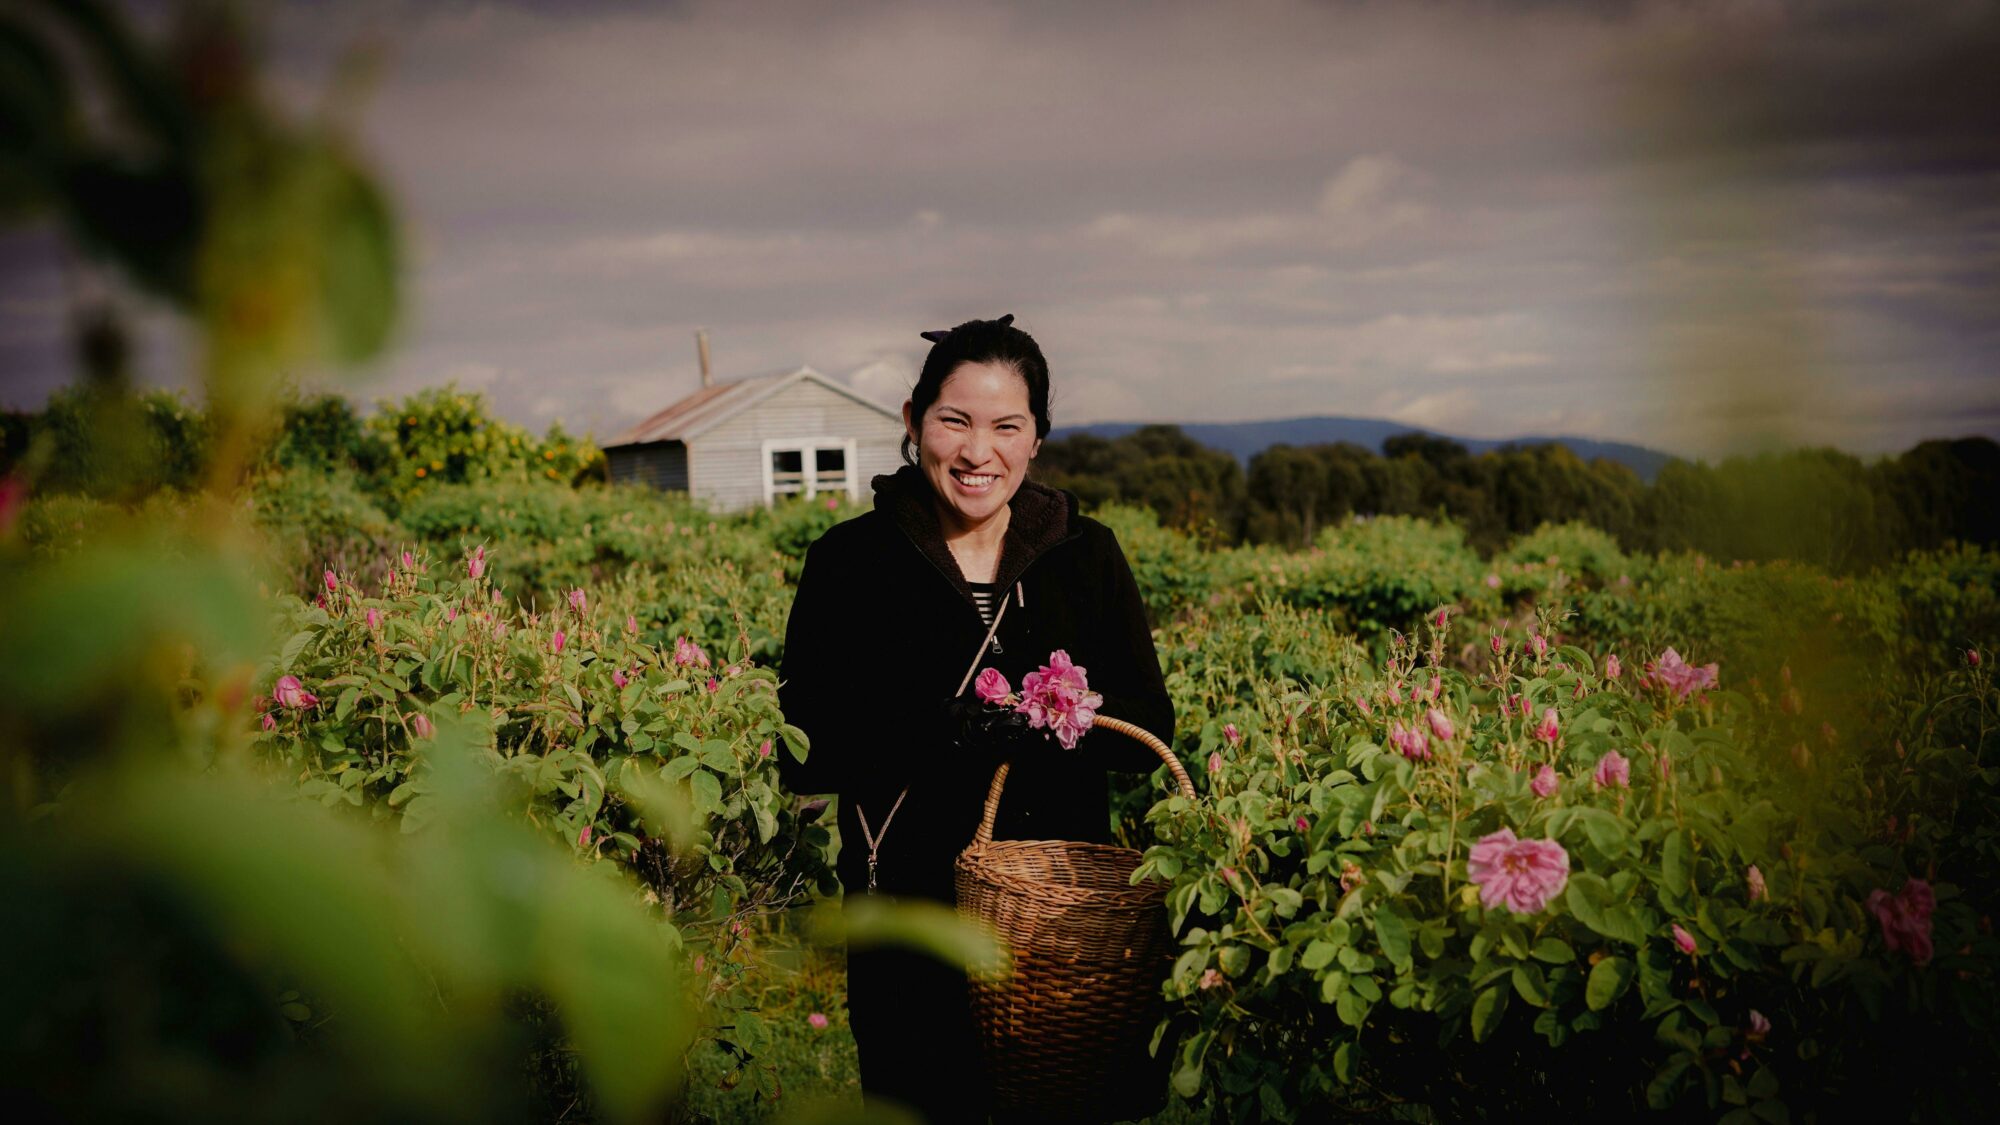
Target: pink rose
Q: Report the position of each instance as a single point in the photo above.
(1612, 669)
(1230, 734)
(1755, 879)
(686, 653)
(1546, 782)
(618, 678)
(475, 563)
(1613, 771)
(992, 687)
(1539, 644)
(1683, 940)
(1680, 677)
(579, 601)
(1497, 643)
(1440, 724)
(1521, 875)
(1057, 698)
(1972, 657)
(1550, 728)
(817, 1021)
(1302, 824)
(1906, 918)
(1760, 1027)
(1493, 582)
(374, 617)
(556, 642)
(1440, 619)
(1412, 744)
(1215, 761)
(631, 625)
(764, 749)
(292, 694)
(1209, 979)
(450, 614)
(420, 725)
(583, 837)
(332, 583)
(713, 685)
(1362, 703)
(1396, 694)
(268, 723)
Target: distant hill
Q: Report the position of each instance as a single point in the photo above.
(1246, 439)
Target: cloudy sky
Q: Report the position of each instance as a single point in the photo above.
(1694, 225)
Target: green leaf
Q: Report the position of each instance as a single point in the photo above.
(1488, 1010)
(1392, 933)
(1609, 979)
(707, 792)
(1528, 981)
(1555, 951)
(1352, 1008)
(1674, 863)
(1319, 954)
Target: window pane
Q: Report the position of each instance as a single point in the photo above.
(830, 460)
(787, 461)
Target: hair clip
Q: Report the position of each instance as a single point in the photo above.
(1005, 320)
(936, 336)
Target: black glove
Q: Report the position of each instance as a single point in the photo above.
(989, 735)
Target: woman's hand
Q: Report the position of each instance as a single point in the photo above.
(990, 734)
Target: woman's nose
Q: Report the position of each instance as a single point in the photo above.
(977, 445)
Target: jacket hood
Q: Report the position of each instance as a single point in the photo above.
(1042, 517)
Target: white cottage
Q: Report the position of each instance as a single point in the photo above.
(741, 443)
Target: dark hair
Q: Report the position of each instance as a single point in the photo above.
(980, 341)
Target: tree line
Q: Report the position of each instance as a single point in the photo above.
(1823, 506)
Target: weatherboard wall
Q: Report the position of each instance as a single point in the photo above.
(726, 465)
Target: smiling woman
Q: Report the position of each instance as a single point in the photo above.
(961, 558)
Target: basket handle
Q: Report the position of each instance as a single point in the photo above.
(985, 834)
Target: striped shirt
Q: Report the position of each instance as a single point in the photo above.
(983, 596)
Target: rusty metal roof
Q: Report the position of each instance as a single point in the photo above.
(711, 406)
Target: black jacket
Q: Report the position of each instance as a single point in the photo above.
(881, 631)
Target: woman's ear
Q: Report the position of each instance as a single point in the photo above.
(909, 430)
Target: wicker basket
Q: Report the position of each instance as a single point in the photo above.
(1066, 1033)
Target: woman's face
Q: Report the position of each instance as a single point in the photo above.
(976, 440)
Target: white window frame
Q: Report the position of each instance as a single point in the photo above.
(808, 464)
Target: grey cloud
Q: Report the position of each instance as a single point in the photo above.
(1494, 217)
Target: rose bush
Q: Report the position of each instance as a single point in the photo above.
(1682, 920)
(582, 712)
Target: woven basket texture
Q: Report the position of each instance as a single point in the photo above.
(1067, 1030)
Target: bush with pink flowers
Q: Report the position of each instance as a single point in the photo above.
(1642, 904)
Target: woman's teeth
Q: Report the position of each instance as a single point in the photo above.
(975, 481)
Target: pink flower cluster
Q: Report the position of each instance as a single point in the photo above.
(686, 653)
(1680, 677)
(1058, 698)
(1521, 875)
(1906, 918)
(1413, 744)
